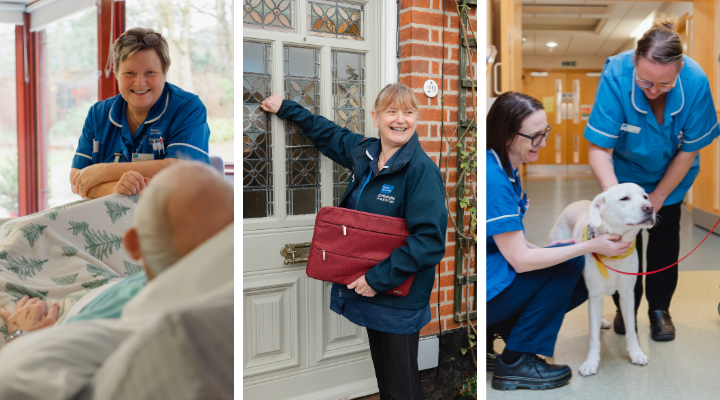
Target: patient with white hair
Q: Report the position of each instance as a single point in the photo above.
(183, 206)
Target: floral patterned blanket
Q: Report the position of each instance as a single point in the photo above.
(61, 254)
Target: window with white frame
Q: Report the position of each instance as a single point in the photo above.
(315, 53)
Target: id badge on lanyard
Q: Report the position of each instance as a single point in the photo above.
(523, 203)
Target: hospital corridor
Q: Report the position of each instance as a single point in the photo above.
(617, 102)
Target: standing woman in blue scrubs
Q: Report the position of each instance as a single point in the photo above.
(529, 289)
(151, 124)
(653, 113)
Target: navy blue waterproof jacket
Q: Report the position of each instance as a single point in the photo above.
(417, 195)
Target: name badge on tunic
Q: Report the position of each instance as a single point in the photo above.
(137, 157)
(96, 146)
(630, 128)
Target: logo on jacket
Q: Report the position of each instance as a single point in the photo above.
(387, 189)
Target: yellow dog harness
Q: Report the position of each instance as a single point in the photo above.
(601, 267)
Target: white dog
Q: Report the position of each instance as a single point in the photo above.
(622, 210)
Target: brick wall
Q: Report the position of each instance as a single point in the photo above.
(421, 58)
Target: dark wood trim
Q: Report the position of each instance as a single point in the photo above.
(107, 85)
(26, 118)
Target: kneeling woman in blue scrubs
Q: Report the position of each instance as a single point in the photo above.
(529, 289)
(151, 124)
(653, 113)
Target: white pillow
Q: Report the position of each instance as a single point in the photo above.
(56, 363)
(185, 355)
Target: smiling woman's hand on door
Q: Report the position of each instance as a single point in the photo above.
(272, 104)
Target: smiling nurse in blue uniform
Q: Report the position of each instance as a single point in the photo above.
(529, 289)
(653, 113)
(128, 138)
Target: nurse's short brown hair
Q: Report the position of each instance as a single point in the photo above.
(661, 44)
(122, 52)
(398, 95)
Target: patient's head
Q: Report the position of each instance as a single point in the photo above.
(182, 206)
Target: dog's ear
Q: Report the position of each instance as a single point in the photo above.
(596, 209)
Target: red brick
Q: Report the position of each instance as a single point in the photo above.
(420, 50)
(451, 115)
(415, 33)
(430, 114)
(447, 309)
(436, 36)
(451, 100)
(452, 38)
(450, 69)
(415, 3)
(452, 21)
(422, 130)
(427, 18)
(414, 66)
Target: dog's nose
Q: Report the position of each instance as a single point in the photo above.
(648, 209)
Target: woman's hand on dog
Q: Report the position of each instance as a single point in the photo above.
(563, 241)
(609, 246)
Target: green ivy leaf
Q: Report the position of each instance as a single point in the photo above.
(463, 350)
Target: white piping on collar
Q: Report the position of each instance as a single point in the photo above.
(632, 95)
(501, 166)
(370, 157)
(167, 99)
(110, 115)
(682, 93)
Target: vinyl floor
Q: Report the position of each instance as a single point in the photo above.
(686, 368)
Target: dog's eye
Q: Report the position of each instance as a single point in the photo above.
(646, 197)
(625, 198)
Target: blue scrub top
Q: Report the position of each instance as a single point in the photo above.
(506, 204)
(622, 120)
(175, 127)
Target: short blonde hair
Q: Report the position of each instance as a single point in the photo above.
(396, 94)
(122, 52)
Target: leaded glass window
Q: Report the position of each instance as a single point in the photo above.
(348, 73)
(274, 15)
(257, 135)
(336, 20)
(302, 85)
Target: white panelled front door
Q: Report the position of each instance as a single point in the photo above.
(322, 54)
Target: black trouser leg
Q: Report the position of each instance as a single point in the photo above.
(396, 369)
(663, 249)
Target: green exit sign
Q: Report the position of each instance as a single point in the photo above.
(569, 63)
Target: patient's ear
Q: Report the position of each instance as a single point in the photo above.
(132, 244)
(596, 210)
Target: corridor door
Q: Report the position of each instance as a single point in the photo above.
(324, 56)
(568, 98)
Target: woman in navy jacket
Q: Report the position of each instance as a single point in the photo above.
(392, 176)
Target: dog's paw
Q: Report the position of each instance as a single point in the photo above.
(588, 368)
(605, 324)
(638, 358)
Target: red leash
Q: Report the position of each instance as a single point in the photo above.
(662, 269)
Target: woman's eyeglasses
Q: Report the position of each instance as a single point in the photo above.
(537, 139)
(149, 39)
(660, 86)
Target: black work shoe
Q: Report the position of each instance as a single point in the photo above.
(490, 361)
(661, 326)
(619, 323)
(531, 372)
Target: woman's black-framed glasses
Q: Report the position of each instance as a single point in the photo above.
(149, 39)
(537, 139)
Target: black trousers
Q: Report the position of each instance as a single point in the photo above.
(396, 367)
(663, 249)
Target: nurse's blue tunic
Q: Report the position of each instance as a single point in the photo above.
(506, 205)
(622, 120)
